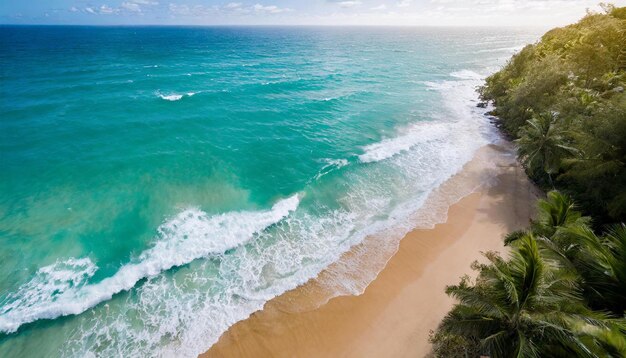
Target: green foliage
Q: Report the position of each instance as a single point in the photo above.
(453, 346)
(556, 212)
(564, 99)
(561, 292)
(543, 144)
(619, 13)
(523, 306)
(598, 176)
(601, 263)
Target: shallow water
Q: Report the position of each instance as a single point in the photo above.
(160, 184)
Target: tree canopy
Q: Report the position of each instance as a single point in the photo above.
(561, 292)
(563, 99)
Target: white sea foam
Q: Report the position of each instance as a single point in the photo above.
(61, 289)
(170, 97)
(418, 133)
(183, 315)
(332, 165)
(467, 75)
(175, 96)
(459, 97)
(49, 284)
(426, 166)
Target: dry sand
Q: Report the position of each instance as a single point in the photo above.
(394, 315)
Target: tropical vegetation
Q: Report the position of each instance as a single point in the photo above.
(563, 101)
(561, 291)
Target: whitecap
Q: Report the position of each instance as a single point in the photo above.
(459, 96)
(332, 165)
(416, 134)
(61, 289)
(176, 96)
(467, 75)
(170, 97)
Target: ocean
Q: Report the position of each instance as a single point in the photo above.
(159, 184)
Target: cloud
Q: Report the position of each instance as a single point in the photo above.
(233, 5)
(349, 3)
(379, 7)
(346, 3)
(231, 8)
(127, 7)
(270, 9)
(107, 10)
(131, 6)
(144, 2)
(186, 10)
(404, 3)
(138, 5)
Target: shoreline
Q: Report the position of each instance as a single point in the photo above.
(395, 313)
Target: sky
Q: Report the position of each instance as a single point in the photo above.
(541, 13)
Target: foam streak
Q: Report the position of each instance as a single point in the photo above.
(61, 289)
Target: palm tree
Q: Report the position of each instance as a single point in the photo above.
(615, 242)
(554, 214)
(598, 173)
(601, 262)
(557, 211)
(542, 144)
(524, 307)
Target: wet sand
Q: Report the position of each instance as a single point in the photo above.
(394, 315)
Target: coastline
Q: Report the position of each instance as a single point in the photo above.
(406, 300)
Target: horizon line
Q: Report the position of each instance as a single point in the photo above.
(272, 25)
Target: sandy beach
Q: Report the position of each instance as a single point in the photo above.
(395, 314)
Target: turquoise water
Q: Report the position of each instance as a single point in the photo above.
(160, 184)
